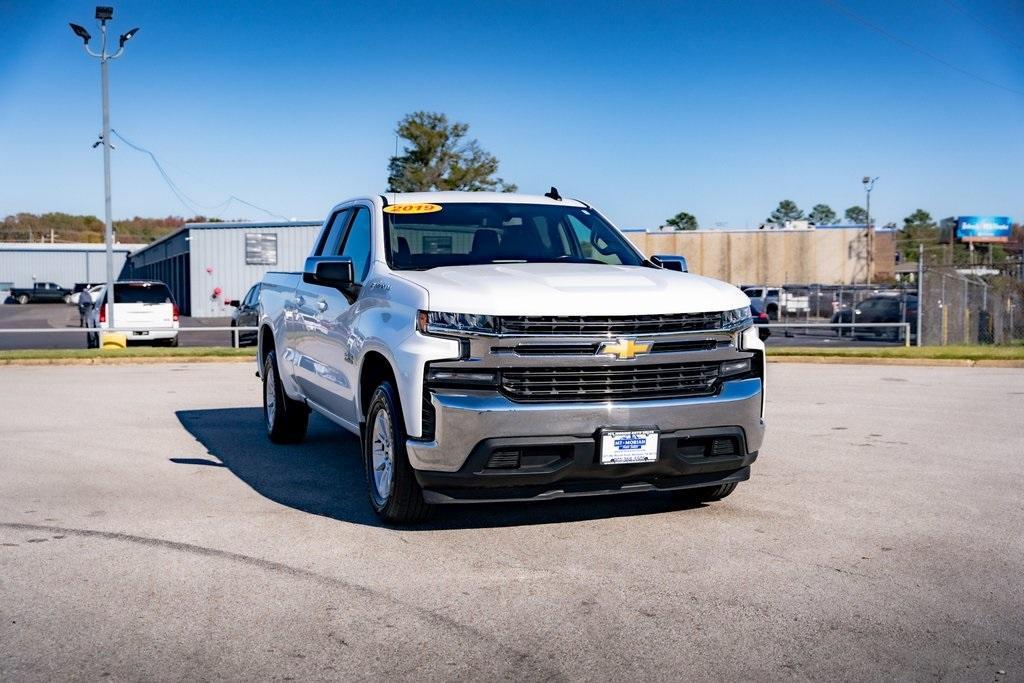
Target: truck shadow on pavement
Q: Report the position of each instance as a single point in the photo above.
(324, 476)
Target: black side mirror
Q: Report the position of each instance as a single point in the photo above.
(329, 271)
(234, 302)
(670, 262)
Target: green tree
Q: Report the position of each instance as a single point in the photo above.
(787, 210)
(822, 214)
(857, 215)
(438, 156)
(918, 228)
(682, 221)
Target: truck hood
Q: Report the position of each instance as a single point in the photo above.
(571, 289)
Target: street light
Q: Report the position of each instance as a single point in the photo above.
(103, 15)
(869, 184)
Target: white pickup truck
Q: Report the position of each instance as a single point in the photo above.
(498, 347)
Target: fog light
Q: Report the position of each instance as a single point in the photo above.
(735, 367)
(505, 459)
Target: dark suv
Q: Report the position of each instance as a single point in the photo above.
(878, 309)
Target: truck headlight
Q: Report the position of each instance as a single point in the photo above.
(737, 317)
(438, 321)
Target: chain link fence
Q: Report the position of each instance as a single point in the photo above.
(958, 305)
(977, 305)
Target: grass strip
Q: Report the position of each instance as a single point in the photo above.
(100, 356)
(960, 352)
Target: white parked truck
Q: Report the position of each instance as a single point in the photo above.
(500, 347)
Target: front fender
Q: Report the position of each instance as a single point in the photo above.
(408, 357)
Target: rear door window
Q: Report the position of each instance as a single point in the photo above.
(331, 238)
(142, 293)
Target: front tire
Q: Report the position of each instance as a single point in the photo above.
(23, 299)
(286, 419)
(707, 494)
(395, 495)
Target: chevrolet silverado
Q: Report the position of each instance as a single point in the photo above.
(504, 347)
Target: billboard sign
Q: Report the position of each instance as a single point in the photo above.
(983, 228)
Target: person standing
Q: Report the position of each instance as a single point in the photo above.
(84, 307)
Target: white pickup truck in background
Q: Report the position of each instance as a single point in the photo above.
(492, 347)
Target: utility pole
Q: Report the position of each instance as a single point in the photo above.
(920, 289)
(869, 184)
(103, 15)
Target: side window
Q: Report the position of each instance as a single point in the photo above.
(331, 237)
(253, 296)
(357, 244)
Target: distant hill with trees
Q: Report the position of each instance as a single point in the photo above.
(30, 227)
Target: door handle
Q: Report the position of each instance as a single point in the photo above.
(321, 305)
(300, 300)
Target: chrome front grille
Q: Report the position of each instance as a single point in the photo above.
(598, 383)
(602, 325)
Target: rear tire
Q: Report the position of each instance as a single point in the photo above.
(286, 419)
(395, 495)
(708, 494)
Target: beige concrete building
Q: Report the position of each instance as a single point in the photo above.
(778, 257)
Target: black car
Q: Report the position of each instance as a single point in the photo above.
(878, 309)
(760, 318)
(247, 314)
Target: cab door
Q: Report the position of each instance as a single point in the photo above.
(307, 331)
(339, 313)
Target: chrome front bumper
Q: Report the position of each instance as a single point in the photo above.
(465, 418)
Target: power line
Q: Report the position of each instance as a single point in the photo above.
(185, 200)
(838, 6)
(1002, 35)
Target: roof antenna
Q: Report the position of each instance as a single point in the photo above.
(553, 194)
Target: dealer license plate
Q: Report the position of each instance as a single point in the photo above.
(137, 333)
(622, 448)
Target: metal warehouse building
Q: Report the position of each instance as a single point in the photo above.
(22, 263)
(207, 264)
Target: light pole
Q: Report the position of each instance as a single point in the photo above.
(869, 184)
(103, 15)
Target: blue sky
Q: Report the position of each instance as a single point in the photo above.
(644, 109)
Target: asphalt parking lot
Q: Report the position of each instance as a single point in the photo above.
(148, 530)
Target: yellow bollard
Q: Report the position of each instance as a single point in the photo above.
(113, 340)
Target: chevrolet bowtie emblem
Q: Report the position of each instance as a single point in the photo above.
(623, 349)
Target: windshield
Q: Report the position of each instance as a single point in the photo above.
(141, 293)
(473, 234)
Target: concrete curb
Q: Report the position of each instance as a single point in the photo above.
(138, 360)
(858, 360)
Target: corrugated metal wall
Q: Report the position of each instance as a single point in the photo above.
(218, 270)
(206, 258)
(167, 261)
(63, 265)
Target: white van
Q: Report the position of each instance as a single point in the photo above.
(145, 308)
